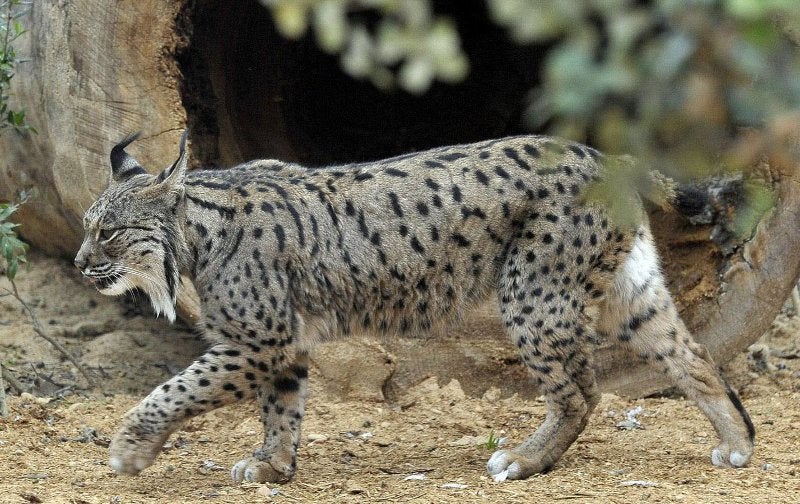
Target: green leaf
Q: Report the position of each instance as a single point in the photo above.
(291, 18)
(5, 212)
(7, 251)
(11, 271)
(7, 228)
(330, 25)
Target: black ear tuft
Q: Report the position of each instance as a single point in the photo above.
(183, 142)
(123, 166)
(180, 164)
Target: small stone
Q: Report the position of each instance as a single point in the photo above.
(317, 438)
(26, 396)
(455, 486)
(265, 491)
(492, 395)
(353, 488)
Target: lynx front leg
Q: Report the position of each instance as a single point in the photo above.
(282, 406)
(219, 377)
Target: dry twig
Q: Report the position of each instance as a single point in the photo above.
(37, 327)
(9, 378)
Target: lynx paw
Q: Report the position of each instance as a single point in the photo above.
(724, 456)
(261, 471)
(507, 464)
(131, 454)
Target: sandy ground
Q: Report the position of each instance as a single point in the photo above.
(430, 445)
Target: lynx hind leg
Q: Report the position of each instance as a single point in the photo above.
(282, 402)
(639, 313)
(544, 321)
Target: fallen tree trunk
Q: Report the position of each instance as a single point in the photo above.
(100, 70)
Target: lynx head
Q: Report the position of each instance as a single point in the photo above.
(132, 234)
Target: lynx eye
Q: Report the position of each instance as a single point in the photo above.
(108, 234)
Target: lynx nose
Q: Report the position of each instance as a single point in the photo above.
(81, 262)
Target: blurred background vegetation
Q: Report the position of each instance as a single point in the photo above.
(11, 28)
(690, 87)
(12, 250)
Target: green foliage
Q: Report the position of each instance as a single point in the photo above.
(691, 88)
(492, 442)
(10, 30)
(674, 74)
(408, 36)
(14, 251)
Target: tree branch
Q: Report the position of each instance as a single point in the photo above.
(12, 380)
(37, 327)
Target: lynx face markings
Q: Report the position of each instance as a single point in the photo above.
(133, 239)
(283, 257)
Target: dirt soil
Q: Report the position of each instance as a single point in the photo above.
(428, 445)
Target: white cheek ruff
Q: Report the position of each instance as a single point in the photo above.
(159, 297)
(163, 304)
(157, 292)
(117, 288)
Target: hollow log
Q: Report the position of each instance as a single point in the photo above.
(99, 70)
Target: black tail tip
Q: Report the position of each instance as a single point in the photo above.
(737, 403)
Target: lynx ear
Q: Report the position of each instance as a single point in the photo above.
(174, 175)
(123, 166)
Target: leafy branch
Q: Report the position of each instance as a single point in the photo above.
(13, 249)
(10, 30)
(409, 45)
(14, 254)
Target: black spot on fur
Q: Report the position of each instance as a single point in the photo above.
(416, 245)
(578, 151)
(461, 240)
(456, 194)
(280, 235)
(531, 150)
(501, 172)
(514, 156)
(452, 156)
(285, 385)
(396, 208)
(394, 172)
